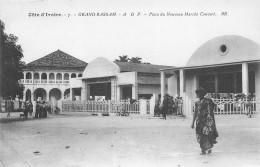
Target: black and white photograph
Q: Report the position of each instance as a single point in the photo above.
(133, 83)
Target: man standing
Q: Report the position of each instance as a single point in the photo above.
(165, 105)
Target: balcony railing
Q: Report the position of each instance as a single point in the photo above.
(43, 81)
(59, 81)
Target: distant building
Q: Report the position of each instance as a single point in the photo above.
(49, 77)
(119, 80)
(223, 66)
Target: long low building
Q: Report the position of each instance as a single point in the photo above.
(119, 80)
(224, 66)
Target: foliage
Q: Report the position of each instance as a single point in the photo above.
(11, 64)
(125, 58)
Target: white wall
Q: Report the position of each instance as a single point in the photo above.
(149, 89)
(126, 78)
(75, 83)
(100, 67)
(172, 86)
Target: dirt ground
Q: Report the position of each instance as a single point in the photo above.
(79, 140)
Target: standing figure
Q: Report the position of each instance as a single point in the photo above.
(170, 105)
(26, 109)
(38, 108)
(165, 105)
(30, 106)
(206, 131)
(9, 106)
(249, 106)
(157, 106)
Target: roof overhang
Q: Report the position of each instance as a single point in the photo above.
(207, 66)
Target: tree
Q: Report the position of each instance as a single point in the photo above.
(123, 58)
(11, 64)
(136, 60)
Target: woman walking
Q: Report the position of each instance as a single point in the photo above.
(206, 131)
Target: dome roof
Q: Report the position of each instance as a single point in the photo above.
(225, 49)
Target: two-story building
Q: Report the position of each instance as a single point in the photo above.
(49, 77)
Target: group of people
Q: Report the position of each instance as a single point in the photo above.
(244, 102)
(18, 106)
(169, 106)
(41, 109)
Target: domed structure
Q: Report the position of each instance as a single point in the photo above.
(225, 49)
(224, 66)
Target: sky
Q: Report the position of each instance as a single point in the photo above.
(162, 40)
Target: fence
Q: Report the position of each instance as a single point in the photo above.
(231, 106)
(109, 106)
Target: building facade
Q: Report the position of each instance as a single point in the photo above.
(224, 66)
(49, 77)
(119, 80)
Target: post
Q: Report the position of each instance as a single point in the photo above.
(152, 103)
(182, 82)
(162, 85)
(135, 88)
(83, 90)
(71, 94)
(143, 106)
(245, 89)
(216, 86)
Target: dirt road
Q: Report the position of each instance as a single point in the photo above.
(82, 140)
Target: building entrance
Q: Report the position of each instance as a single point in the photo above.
(101, 89)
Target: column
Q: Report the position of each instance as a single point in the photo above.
(48, 77)
(245, 82)
(32, 95)
(162, 85)
(216, 86)
(24, 95)
(118, 93)
(24, 77)
(47, 95)
(195, 86)
(182, 82)
(40, 77)
(62, 94)
(55, 77)
(85, 90)
(71, 94)
(135, 88)
(62, 77)
(113, 89)
(32, 77)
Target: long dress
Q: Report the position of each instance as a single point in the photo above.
(206, 131)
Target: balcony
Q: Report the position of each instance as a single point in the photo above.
(43, 81)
